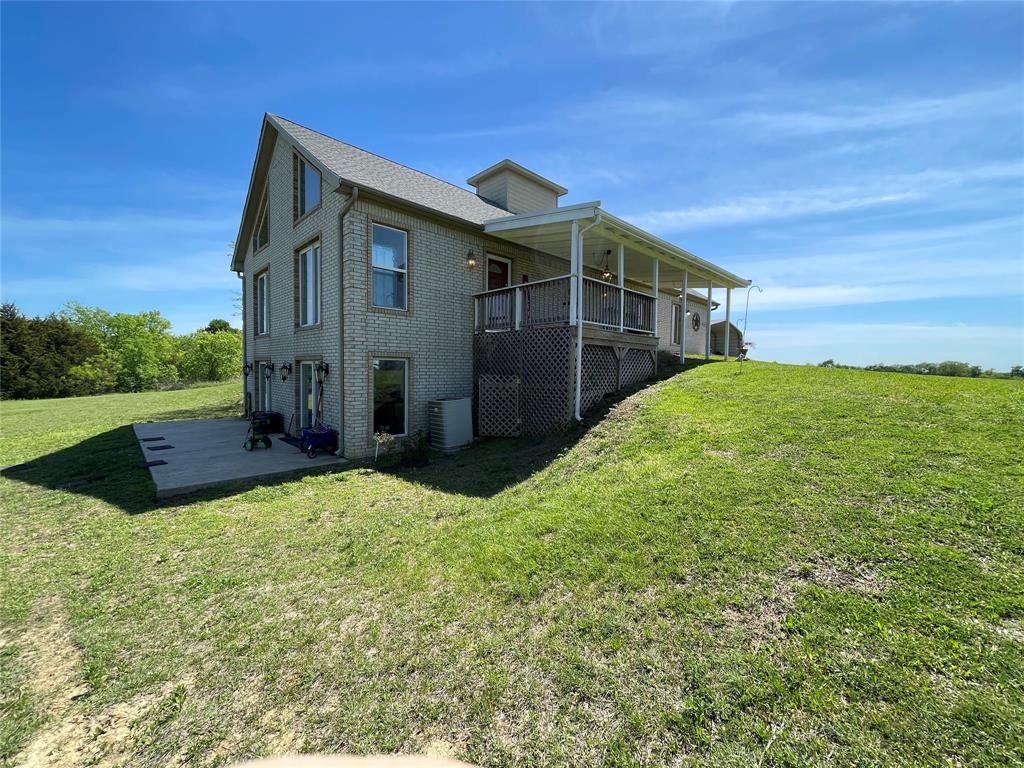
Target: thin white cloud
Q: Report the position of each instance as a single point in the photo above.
(883, 115)
(794, 203)
(777, 205)
(119, 225)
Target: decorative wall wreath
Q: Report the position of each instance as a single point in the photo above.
(695, 321)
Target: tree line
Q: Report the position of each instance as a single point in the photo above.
(87, 351)
(945, 368)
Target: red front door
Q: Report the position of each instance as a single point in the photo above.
(499, 274)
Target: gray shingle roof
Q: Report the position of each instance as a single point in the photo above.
(373, 172)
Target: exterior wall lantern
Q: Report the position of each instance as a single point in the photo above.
(471, 259)
(286, 369)
(322, 368)
(247, 369)
(607, 274)
(268, 370)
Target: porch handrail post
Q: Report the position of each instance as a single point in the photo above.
(621, 271)
(707, 330)
(574, 285)
(728, 326)
(519, 306)
(682, 317)
(654, 292)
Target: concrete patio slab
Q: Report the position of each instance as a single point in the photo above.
(202, 453)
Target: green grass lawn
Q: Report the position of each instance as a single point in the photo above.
(773, 566)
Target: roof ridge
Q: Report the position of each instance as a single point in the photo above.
(389, 160)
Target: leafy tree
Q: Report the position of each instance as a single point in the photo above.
(217, 325)
(38, 354)
(139, 347)
(1017, 371)
(206, 356)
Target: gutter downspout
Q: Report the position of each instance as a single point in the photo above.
(579, 319)
(245, 379)
(341, 315)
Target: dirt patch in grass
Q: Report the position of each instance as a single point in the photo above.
(762, 622)
(71, 736)
(720, 454)
(53, 661)
(857, 577)
(1014, 630)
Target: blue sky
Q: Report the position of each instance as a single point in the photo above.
(863, 163)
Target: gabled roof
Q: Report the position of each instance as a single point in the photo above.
(356, 166)
(352, 166)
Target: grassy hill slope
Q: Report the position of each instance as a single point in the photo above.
(774, 565)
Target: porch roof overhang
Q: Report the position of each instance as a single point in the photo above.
(549, 231)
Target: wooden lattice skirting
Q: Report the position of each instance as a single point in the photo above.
(524, 381)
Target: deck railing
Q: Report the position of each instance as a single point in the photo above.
(546, 302)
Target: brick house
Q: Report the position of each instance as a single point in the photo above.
(370, 288)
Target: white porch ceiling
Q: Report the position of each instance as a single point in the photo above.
(550, 232)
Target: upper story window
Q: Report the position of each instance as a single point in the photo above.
(261, 235)
(261, 304)
(309, 285)
(390, 259)
(306, 182)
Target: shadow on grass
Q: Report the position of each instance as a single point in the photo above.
(494, 464)
(105, 466)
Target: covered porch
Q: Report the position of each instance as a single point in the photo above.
(549, 349)
(614, 275)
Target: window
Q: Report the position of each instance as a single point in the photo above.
(676, 324)
(261, 235)
(309, 394)
(390, 382)
(262, 386)
(309, 285)
(307, 186)
(390, 267)
(261, 305)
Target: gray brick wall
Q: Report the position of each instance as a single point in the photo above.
(436, 332)
(285, 343)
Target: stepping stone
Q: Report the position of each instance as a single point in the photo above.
(152, 439)
(145, 464)
(160, 447)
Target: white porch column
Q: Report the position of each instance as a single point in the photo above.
(654, 291)
(728, 327)
(621, 272)
(574, 283)
(682, 318)
(707, 325)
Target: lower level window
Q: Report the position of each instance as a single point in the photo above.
(309, 394)
(262, 387)
(390, 385)
(676, 323)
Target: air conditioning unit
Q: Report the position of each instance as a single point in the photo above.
(451, 423)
